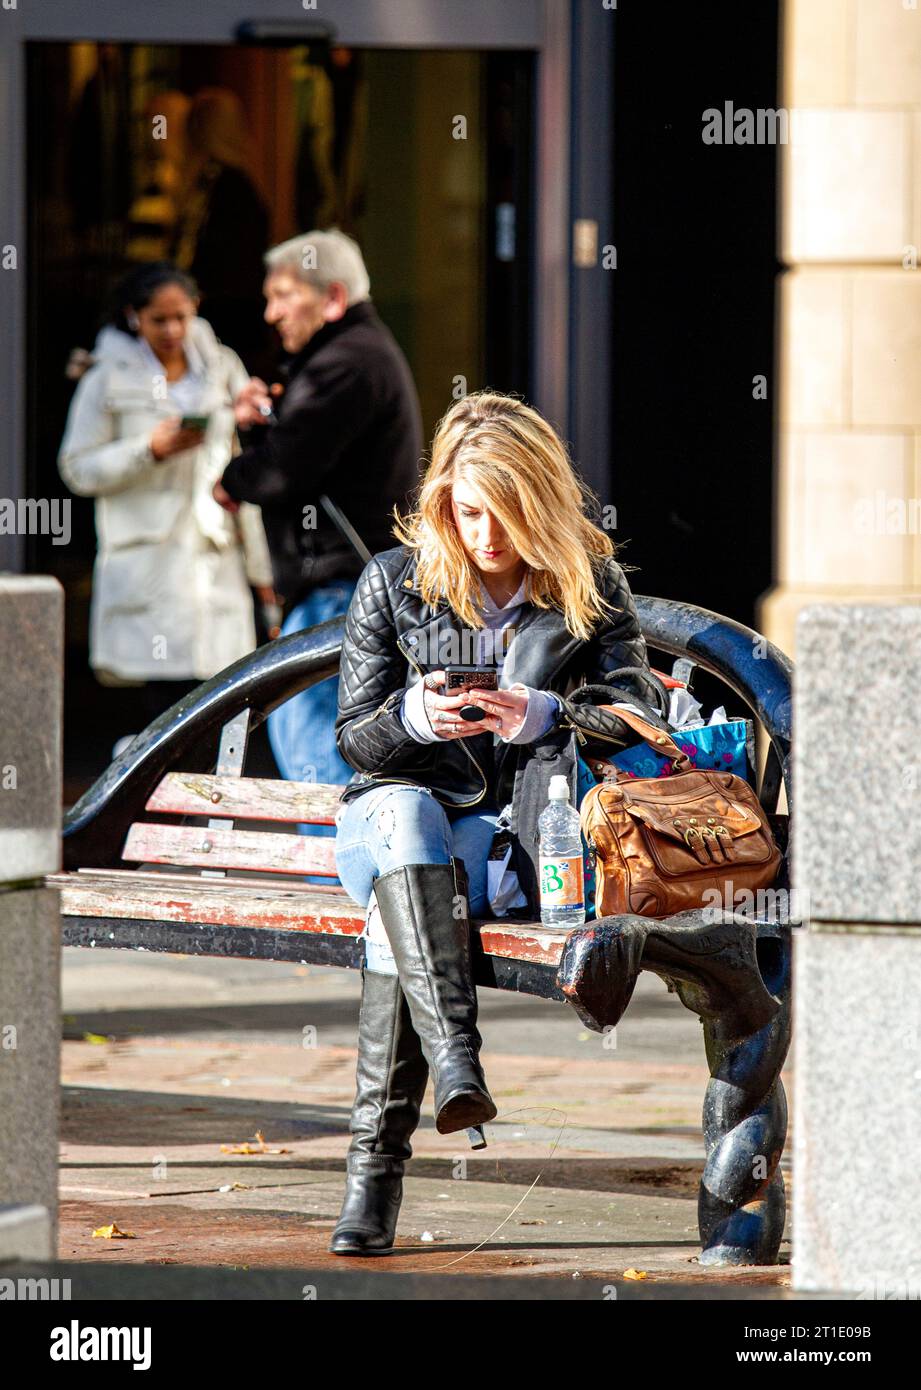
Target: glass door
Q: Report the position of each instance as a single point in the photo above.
(424, 155)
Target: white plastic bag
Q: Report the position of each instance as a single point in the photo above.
(502, 885)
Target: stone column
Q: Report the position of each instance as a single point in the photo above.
(857, 964)
(31, 682)
(849, 354)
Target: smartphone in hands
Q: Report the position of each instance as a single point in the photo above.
(461, 678)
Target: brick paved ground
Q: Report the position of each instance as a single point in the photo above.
(592, 1166)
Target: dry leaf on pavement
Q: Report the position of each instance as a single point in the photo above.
(113, 1233)
(260, 1147)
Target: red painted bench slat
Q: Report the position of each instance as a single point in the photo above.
(274, 906)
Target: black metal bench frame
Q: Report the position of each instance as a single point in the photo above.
(741, 1207)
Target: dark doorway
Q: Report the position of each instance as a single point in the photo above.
(694, 304)
(363, 139)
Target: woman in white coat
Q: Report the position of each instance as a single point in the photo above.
(150, 429)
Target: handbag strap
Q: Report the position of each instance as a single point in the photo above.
(345, 528)
(645, 680)
(659, 741)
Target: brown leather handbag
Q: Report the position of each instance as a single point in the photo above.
(661, 843)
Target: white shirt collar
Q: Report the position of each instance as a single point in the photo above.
(489, 606)
(195, 366)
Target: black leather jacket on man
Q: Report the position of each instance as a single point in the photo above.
(348, 426)
(391, 634)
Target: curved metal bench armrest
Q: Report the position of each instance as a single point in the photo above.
(751, 666)
(187, 735)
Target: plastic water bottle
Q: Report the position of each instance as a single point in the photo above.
(562, 888)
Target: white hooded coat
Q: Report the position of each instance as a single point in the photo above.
(170, 598)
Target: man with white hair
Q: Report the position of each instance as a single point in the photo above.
(326, 456)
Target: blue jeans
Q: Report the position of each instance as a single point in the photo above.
(302, 730)
(395, 825)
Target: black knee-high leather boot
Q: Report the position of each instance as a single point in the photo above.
(390, 1082)
(424, 909)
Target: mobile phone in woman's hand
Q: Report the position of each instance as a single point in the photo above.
(443, 705)
(461, 678)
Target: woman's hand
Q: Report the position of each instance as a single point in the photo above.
(169, 438)
(503, 716)
(271, 607)
(223, 498)
(507, 707)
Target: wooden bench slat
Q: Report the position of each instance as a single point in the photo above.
(170, 876)
(254, 903)
(225, 902)
(246, 798)
(230, 849)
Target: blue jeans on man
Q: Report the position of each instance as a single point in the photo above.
(302, 730)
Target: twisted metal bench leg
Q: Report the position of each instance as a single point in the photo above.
(736, 978)
(742, 1203)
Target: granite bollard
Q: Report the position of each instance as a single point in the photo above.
(31, 682)
(857, 961)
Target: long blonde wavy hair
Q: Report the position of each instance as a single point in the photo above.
(516, 460)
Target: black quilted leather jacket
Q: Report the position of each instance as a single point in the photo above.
(390, 629)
